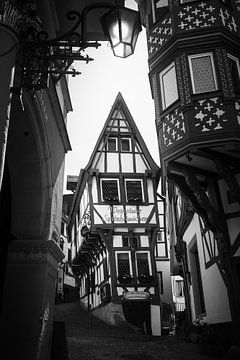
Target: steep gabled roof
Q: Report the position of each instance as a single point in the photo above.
(121, 121)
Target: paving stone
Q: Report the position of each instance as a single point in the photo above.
(89, 338)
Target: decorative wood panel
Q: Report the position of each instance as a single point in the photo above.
(173, 128)
(189, 17)
(160, 34)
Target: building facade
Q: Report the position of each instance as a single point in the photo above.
(193, 49)
(114, 225)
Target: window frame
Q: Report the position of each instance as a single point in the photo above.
(161, 77)
(118, 187)
(126, 193)
(129, 258)
(129, 142)
(236, 59)
(149, 261)
(116, 143)
(153, 11)
(199, 55)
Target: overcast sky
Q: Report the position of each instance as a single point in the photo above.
(93, 94)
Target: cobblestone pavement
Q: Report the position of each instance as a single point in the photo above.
(92, 339)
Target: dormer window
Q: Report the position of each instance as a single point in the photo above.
(112, 144)
(134, 190)
(125, 145)
(110, 190)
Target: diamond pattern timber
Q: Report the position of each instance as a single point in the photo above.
(205, 15)
(173, 128)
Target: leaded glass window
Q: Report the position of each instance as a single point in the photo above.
(110, 190)
(134, 190)
(202, 73)
(142, 264)
(123, 264)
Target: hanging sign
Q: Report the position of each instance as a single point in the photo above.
(136, 295)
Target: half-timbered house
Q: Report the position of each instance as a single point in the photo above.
(114, 225)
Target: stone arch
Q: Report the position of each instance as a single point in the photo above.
(29, 164)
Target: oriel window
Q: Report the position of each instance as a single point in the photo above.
(110, 190)
(202, 72)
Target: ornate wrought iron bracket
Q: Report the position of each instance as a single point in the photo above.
(43, 57)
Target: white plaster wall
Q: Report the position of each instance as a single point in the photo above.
(112, 163)
(140, 165)
(156, 320)
(215, 293)
(164, 266)
(127, 162)
(94, 190)
(150, 190)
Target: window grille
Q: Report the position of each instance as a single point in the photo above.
(134, 190)
(202, 73)
(110, 190)
(123, 265)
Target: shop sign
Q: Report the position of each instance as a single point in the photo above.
(136, 295)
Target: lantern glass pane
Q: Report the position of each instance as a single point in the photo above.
(122, 27)
(122, 50)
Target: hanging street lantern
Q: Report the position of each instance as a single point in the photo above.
(122, 26)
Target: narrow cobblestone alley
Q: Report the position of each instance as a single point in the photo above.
(92, 339)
